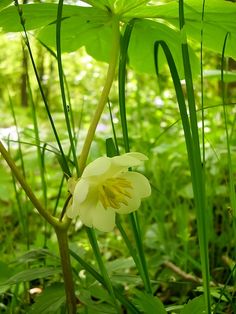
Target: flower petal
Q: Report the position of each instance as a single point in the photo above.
(97, 167)
(81, 191)
(87, 206)
(103, 219)
(141, 188)
(132, 204)
(137, 155)
(140, 183)
(97, 217)
(79, 195)
(129, 160)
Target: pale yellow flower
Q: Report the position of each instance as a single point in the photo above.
(105, 188)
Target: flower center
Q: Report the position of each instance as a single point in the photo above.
(114, 191)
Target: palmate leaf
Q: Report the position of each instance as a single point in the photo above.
(143, 37)
(39, 15)
(116, 6)
(83, 31)
(91, 27)
(219, 18)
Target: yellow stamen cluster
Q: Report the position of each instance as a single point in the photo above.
(114, 191)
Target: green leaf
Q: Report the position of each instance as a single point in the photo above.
(143, 37)
(86, 297)
(120, 264)
(36, 255)
(101, 4)
(5, 273)
(216, 74)
(90, 27)
(5, 3)
(50, 300)
(31, 274)
(219, 18)
(194, 306)
(116, 6)
(148, 303)
(122, 6)
(38, 15)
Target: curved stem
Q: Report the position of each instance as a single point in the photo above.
(42, 211)
(105, 92)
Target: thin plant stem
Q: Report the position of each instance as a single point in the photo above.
(62, 238)
(97, 253)
(42, 211)
(197, 172)
(61, 79)
(128, 305)
(65, 164)
(141, 264)
(114, 53)
(230, 165)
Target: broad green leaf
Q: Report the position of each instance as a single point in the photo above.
(194, 306)
(50, 300)
(219, 18)
(116, 6)
(31, 274)
(149, 304)
(77, 32)
(141, 48)
(122, 6)
(216, 74)
(90, 27)
(38, 15)
(102, 4)
(5, 3)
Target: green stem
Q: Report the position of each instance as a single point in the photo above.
(61, 80)
(102, 267)
(62, 238)
(42, 211)
(105, 92)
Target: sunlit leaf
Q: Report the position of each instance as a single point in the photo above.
(216, 74)
(5, 3)
(219, 18)
(141, 48)
(38, 15)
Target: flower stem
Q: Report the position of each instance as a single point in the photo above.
(42, 211)
(105, 92)
(62, 238)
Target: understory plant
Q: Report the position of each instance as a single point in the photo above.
(150, 38)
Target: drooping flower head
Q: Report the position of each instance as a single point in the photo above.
(107, 187)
